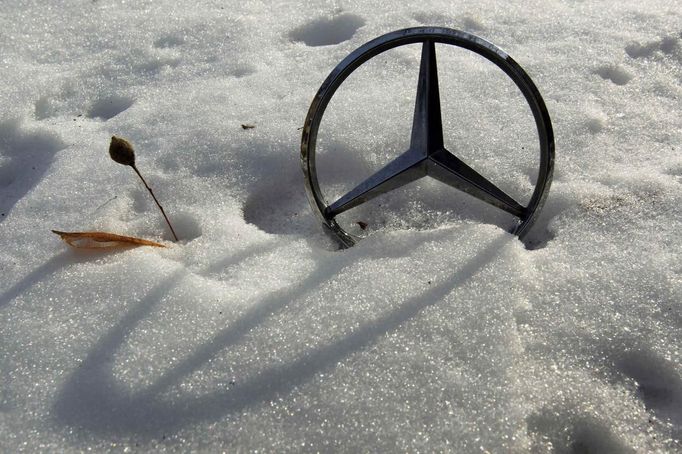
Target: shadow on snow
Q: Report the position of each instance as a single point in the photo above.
(92, 400)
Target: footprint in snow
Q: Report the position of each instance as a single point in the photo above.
(326, 32)
(24, 157)
(109, 106)
(615, 74)
(571, 433)
(659, 385)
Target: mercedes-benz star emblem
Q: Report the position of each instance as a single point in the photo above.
(427, 154)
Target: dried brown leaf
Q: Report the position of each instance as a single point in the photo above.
(103, 240)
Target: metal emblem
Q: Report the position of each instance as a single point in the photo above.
(427, 154)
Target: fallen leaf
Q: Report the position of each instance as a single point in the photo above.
(362, 225)
(246, 126)
(103, 240)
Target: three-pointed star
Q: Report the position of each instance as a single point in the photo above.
(427, 154)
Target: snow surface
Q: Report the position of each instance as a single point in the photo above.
(438, 332)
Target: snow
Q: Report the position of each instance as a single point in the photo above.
(437, 332)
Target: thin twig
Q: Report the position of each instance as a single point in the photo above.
(157, 202)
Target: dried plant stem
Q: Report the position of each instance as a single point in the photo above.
(157, 202)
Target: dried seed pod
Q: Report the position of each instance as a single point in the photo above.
(122, 151)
